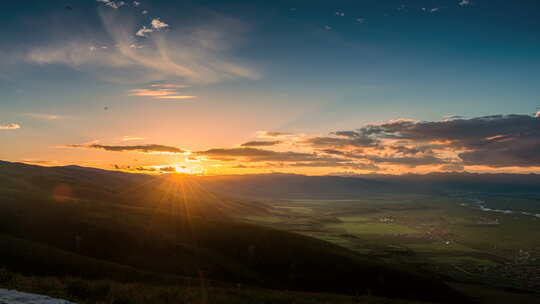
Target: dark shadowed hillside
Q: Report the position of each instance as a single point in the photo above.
(65, 221)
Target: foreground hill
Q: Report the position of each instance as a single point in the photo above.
(72, 221)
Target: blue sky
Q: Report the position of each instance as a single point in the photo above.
(238, 67)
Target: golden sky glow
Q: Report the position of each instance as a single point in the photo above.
(203, 89)
(395, 147)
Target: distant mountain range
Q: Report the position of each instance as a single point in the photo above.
(300, 186)
(274, 185)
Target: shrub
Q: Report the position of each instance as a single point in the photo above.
(6, 277)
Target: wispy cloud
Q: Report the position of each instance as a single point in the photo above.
(151, 92)
(132, 138)
(112, 4)
(451, 116)
(271, 134)
(44, 116)
(194, 54)
(180, 97)
(169, 86)
(159, 93)
(150, 149)
(11, 126)
(464, 2)
(260, 155)
(258, 143)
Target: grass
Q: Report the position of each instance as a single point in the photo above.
(487, 295)
(296, 210)
(353, 219)
(371, 228)
(440, 247)
(338, 240)
(433, 231)
(264, 219)
(462, 260)
(111, 292)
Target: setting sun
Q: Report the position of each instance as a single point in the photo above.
(177, 168)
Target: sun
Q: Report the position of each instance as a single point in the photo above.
(194, 170)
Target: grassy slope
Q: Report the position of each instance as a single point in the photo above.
(173, 228)
(200, 291)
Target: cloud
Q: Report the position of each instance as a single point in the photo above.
(151, 92)
(360, 20)
(270, 134)
(143, 31)
(11, 126)
(136, 3)
(169, 86)
(396, 146)
(179, 97)
(453, 168)
(258, 155)
(261, 143)
(194, 53)
(94, 48)
(408, 161)
(338, 164)
(155, 25)
(46, 116)
(496, 141)
(341, 139)
(464, 3)
(159, 93)
(338, 142)
(327, 27)
(450, 116)
(112, 4)
(131, 138)
(433, 10)
(158, 24)
(152, 148)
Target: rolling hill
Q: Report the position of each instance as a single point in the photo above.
(96, 224)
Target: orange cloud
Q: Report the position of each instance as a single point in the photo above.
(159, 93)
(11, 126)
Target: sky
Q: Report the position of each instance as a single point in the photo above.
(239, 87)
